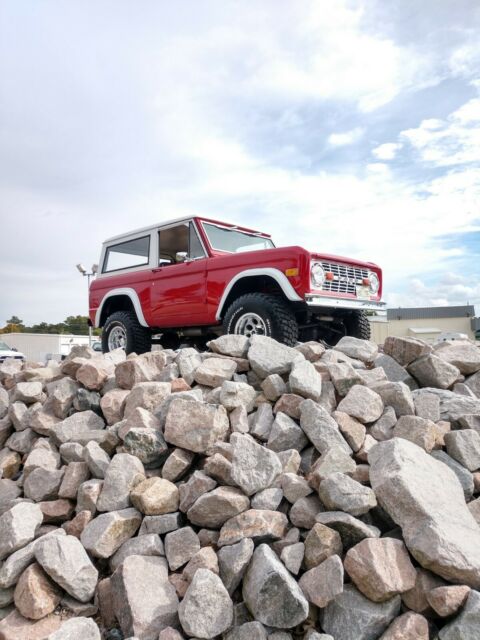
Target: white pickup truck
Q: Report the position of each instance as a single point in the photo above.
(6, 352)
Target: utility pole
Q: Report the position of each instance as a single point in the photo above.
(88, 274)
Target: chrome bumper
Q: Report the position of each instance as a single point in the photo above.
(314, 300)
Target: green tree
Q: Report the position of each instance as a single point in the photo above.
(14, 320)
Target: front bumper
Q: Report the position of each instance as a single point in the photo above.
(314, 300)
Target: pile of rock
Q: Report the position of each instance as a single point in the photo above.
(253, 491)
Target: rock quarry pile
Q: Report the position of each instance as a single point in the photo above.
(253, 491)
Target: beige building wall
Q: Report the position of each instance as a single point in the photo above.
(425, 329)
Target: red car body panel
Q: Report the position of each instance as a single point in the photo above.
(189, 293)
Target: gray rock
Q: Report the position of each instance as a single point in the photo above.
(292, 557)
(286, 434)
(339, 492)
(144, 601)
(426, 500)
(212, 509)
(382, 429)
(396, 395)
(273, 387)
(323, 583)
(405, 350)
(43, 484)
(87, 496)
(261, 422)
(271, 594)
(253, 467)
(454, 406)
(294, 487)
(181, 546)
(394, 371)
(177, 463)
(198, 484)
(18, 527)
(77, 629)
(466, 625)
(148, 445)
(4, 402)
(123, 474)
(335, 460)
(142, 545)
(248, 631)
(464, 476)
(96, 458)
(427, 405)
(206, 611)
(188, 360)
(237, 394)
(473, 383)
(432, 371)
(351, 530)
(362, 403)
(195, 426)
(363, 350)
(267, 499)
(304, 511)
(161, 524)
(66, 430)
(67, 563)
(351, 616)
(305, 381)
(320, 428)
(464, 447)
(147, 395)
(107, 533)
(230, 345)
(462, 354)
(417, 430)
(344, 376)
(258, 524)
(233, 561)
(212, 372)
(267, 356)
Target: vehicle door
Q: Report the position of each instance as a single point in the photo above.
(178, 292)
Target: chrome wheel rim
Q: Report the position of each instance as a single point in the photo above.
(250, 324)
(117, 338)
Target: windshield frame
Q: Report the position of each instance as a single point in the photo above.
(234, 228)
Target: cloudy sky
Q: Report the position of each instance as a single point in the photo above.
(350, 127)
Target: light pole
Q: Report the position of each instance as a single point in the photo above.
(84, 272)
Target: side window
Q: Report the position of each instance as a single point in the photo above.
(195, 246)
(172, 241)
(126, 255)
(180, 239)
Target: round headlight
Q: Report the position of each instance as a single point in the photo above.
(374, 282)
(317, 275)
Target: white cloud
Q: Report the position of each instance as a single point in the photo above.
(345, 138)
(387, 151)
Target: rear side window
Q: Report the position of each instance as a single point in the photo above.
(125, 255)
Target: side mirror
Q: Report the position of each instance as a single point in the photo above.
(14, 349)
(181, 256)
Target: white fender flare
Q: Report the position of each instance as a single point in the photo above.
(130, 293)
(270, 272)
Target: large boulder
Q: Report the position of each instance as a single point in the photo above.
(195, 426)
(253, 467)
(424, 497)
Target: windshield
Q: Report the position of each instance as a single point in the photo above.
(4, 346)
(235, 241)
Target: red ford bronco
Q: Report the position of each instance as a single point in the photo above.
(196, 278)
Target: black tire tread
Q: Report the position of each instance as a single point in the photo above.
(285, 321)
(360, 326)
(141, 339)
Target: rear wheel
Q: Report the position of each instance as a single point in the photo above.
(262, 314)
(123, 331)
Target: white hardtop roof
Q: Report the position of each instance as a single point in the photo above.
(167, 223)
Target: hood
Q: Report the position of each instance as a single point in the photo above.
(6, 353)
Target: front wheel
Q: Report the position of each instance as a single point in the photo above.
(123, 331)
(262, 314)
(357, 325)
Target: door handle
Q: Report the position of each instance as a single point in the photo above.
(157, 269)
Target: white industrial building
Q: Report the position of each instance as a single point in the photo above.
(40, 347)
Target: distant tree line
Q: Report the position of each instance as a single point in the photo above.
(77, 325)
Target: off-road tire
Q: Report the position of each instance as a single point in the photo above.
(279, 319)
(138, 337)
(358, 326)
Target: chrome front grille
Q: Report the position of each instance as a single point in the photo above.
(346, 279)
